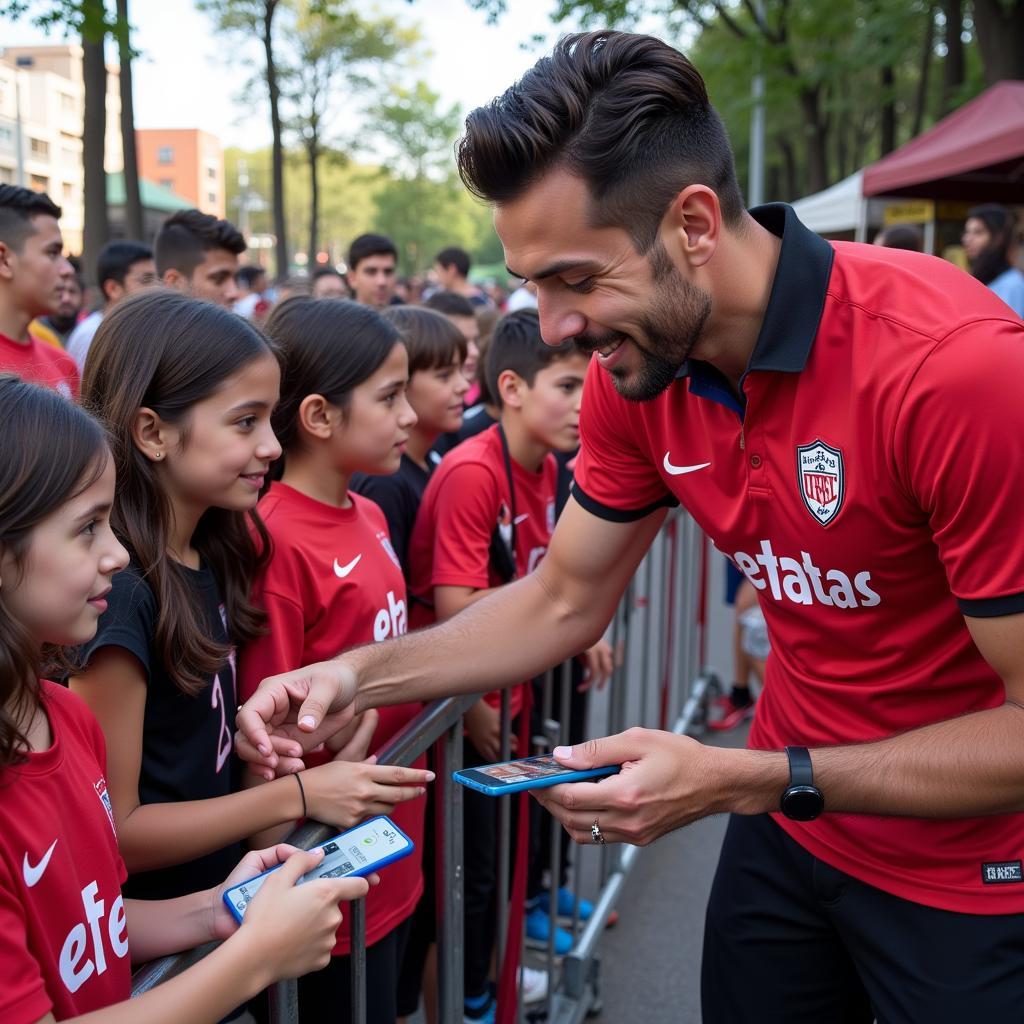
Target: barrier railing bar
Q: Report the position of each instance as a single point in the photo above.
(357, 959)
(449, 904)
(504, 830)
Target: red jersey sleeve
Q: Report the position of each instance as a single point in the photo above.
(614, 479)
(465, 515)
(959, 446)
(279, 593)
(23, 998)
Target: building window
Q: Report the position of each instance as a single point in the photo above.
(67, 103)
(40, 149)
(167, 183)
(69, 192)
(165, 155)
(39, 183)
(211, 173)
(211, 197)
(6, 137)
(6, 176)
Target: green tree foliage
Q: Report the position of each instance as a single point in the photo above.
(844, 82)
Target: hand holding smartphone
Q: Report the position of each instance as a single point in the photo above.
(527, 773)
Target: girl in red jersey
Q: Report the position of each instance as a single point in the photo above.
(333, 579)
(67, 936)
(186, 389)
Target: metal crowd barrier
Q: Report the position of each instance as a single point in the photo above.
(659, 681)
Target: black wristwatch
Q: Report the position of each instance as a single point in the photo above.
(801, 800)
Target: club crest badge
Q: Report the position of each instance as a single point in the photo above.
(385, 543)
(822, 480)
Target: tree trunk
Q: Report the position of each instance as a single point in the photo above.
(1000, 28)
(132, 200)
(94, 74)
(921, 99)
(953, 65)
(816, 129)
(888, 110)
(277, 150)
(312, 154)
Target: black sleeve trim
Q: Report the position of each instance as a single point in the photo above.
(620, 515)
(992, 607)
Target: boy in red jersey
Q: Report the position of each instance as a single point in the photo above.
(486, 517)
(32, 271)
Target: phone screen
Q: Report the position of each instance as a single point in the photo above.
(544, 766)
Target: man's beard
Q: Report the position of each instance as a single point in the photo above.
(672, 326)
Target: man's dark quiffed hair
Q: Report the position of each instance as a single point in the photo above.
(117, 258)
(17, 208)
(455, 257)
(627, 113)
(188, 235)
(450, 304)
(366, 246)
(517, 345)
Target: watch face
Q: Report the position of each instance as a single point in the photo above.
(802, 803)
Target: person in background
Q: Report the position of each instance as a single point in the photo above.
(372, 260)
(327, 283)
(55, 328)
(524, 297)
(32, 272)
(461, 312)
(451, 267)
(123, 268)
(252, 283)
(901, 236)
(297, 284)
(990, 245)
(197, 254)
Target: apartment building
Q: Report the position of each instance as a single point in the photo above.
(188, 162)
(46, 83)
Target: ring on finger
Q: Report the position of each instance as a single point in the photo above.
(597, 834)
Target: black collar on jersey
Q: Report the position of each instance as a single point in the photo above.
(797, 299)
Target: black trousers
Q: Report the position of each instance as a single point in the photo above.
(326, 996)
(790, 940)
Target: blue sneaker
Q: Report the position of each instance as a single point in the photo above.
(480, 1011)
(566, 902)
(538, 928)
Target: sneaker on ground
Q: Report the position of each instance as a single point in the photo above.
(538, 928)
(484, 1015)
(725, 715)
(533, 984)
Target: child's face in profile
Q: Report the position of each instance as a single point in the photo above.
(551, 407)
(436, 397)
(57, 593)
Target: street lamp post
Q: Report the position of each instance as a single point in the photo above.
(20, 62)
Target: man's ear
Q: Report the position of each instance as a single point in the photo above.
(510, 388)
(151, 435)
(318, 417)
(7, 256)
(175, 279)
(692, 226)
(113, 291)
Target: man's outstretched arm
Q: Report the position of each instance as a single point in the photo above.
(518, 632)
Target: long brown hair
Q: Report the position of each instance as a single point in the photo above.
(52, 451)
(166, 352)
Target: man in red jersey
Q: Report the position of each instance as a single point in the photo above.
(32, 272)
(845, 423)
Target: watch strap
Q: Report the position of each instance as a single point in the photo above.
(801, 773)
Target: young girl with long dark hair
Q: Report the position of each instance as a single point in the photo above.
(67, 936)
(333, 580)
(186, 390)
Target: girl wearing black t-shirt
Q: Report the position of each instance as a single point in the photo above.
(186, 390)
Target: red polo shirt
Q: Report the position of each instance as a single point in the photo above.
(40, 363)
(868, 483)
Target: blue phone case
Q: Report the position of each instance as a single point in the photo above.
(468, 777)
(231, 900)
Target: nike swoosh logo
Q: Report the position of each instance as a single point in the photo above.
(680, 470)
(341, 571)
(521, 519)
(33, 874)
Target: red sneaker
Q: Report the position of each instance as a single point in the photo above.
(724, 715)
